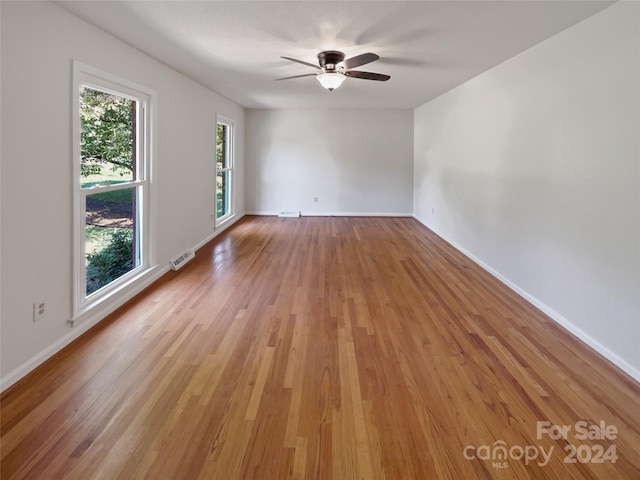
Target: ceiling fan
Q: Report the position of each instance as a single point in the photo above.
(333, 68)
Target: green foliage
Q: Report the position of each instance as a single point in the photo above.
(220, 145)
(222, 158)
(106, 132)
(111, 262)
(222, 207)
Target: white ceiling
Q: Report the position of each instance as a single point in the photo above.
(428, 47)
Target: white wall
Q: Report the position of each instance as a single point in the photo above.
(354, 161)
(39, 41)
(533, 169)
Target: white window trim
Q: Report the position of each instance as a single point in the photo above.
(114, 294)
(231, 145)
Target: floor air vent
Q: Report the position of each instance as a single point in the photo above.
(179, 261)
(289, 213)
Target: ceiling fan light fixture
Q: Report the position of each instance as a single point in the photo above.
(330, 80)
(332, 68)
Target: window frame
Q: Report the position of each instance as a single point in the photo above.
(229, 169)
(87, 76)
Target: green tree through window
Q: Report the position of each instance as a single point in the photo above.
(224, 164)
(108, 139)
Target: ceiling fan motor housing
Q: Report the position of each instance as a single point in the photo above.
(330, 59)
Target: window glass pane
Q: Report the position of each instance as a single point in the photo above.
(111, 237)
(222, 193)
(222, 147)
(107, 138)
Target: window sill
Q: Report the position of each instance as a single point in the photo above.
(220, 222)
(104, 305)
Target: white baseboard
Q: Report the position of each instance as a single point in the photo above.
(260, 213)
(334, 214)
(354, 214)
(78, 328)
(24, 369)
(553, 314)
(218, 230)
(97, 315)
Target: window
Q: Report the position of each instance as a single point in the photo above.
(224, 169)
(112, 182)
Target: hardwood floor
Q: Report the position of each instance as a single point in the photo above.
(344, 348)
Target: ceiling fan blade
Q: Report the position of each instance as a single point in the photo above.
(360, 60)
(298, 76)
(367, 75)
(303, 63)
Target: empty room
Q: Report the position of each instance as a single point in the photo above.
(320, 240)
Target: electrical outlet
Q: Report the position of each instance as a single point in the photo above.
(39, 310)
(315, 199)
